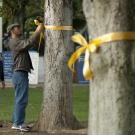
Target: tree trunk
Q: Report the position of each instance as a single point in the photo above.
(112, 89)
(19, 17)
(20, 13)
(57, 110)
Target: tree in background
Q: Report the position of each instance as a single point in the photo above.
(112, 89)
(57, 110)
(78, 16)
(25, 11)
(16, 11)
(20, 11)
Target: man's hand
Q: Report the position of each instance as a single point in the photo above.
(40, 28)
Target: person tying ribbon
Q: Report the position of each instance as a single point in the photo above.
(22, 65)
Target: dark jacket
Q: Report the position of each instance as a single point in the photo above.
(1, 71)
(19, 48)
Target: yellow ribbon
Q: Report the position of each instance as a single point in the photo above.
(37, 22)
(92, 47)
(51, 27)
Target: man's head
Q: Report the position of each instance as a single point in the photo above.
(14, 29)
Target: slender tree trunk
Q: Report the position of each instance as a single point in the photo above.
(57, 110)
(20, 13)
(20, 17)
(112, 89)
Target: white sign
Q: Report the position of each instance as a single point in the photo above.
(33, 76)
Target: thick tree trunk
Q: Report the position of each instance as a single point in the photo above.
(57, 102)
(112, 89)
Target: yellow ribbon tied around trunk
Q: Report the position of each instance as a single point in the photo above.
(51, 27)
(92, 46)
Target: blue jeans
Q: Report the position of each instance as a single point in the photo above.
(21, 84)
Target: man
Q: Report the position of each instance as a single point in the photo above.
(21, 66)
(1, 72)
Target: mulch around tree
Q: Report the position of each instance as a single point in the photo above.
(5, 129)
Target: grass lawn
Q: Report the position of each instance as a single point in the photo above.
(80, 103)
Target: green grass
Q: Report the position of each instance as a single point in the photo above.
(80, 103)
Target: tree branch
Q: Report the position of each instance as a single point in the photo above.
(6, 2)
(38, 13)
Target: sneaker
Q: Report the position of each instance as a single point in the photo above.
(15, 127)
(24, 125)
(22, 128)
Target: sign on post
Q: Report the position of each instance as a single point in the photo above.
(33, 76)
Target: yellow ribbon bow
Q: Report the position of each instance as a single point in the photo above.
(92, 46)
(87, 47)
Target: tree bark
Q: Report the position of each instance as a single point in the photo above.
(112, 89)
(57, 110)
(20, 13)
(20, 17)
